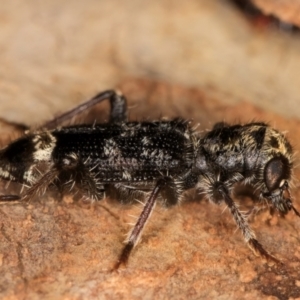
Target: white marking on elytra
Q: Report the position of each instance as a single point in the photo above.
(126, 175)
(111, 148)
(44, 144)
(145, 153)
(146, 141)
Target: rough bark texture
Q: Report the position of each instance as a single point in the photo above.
(286, 10)
(66, 249)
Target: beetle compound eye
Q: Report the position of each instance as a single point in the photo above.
(276, 170)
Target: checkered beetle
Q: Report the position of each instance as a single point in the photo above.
(155, 160)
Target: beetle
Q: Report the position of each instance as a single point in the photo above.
(157, 160)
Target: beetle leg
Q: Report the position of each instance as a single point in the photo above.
(241, 221)
(162, 186)
(118, 109)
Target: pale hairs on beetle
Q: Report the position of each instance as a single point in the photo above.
(155, 160)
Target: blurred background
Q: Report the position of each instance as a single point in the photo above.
(55, 54)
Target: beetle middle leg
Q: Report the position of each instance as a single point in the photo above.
(163, 186)
(74, 172)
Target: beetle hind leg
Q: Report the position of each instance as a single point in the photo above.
(37, 188)
(118, 109)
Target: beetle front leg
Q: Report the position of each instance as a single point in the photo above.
(222, 191)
